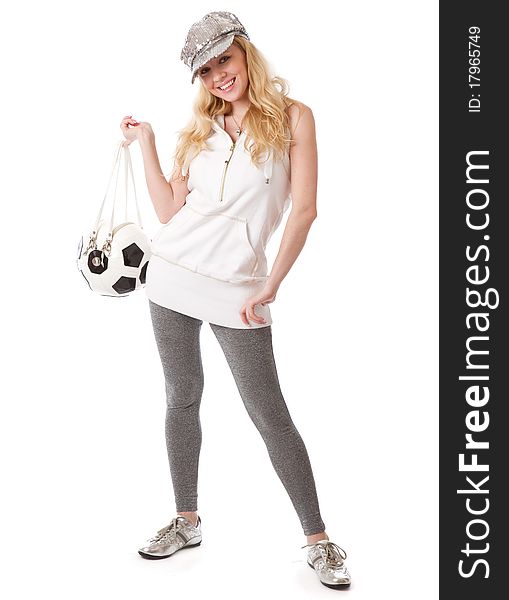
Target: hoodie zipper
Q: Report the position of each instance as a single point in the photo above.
(226, 163)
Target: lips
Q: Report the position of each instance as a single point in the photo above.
(223, 84)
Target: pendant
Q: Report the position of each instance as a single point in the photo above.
(237, 131)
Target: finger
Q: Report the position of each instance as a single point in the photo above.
(126, 126)
(252, 316)
(243, 317)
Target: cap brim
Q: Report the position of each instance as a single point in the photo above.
(211, 51)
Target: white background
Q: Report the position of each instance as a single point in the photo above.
(85, 474)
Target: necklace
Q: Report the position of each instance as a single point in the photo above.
(238, 131)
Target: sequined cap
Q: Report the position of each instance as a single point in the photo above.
(209, 37)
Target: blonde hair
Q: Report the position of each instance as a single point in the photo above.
(266, 120)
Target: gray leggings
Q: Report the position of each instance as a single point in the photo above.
(250, 357)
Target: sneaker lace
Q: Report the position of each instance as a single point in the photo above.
(333, 554)
(168, 533)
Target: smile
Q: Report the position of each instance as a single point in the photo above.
(227, 85)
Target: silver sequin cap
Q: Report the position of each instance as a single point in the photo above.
(209, 37)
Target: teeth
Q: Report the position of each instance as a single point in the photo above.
(227, 85)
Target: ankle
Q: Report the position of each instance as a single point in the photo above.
(316, 537)
(191, 516)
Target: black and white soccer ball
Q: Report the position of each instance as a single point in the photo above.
(122, 268)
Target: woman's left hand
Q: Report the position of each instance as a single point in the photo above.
(247, 312)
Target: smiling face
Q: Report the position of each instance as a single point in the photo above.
(228, 66)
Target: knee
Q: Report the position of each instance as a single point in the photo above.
(274, 426)
(184, 392)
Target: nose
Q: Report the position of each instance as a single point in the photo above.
(220, 73)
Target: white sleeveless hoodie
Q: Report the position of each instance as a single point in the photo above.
(210, 256)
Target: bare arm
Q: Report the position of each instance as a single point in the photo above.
(160, 191)
(304, 175)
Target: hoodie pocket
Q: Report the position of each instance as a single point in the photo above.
(216, 245)
(178, 219)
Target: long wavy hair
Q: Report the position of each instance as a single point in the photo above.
(266, 121)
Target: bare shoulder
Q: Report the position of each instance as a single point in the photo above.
(301, 119)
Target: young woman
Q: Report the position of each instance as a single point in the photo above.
(247, 152)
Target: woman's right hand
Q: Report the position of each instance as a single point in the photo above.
(132, 129)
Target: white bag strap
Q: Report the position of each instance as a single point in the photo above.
(128, 154)
(116, 167)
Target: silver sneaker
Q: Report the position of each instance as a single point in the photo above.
(180, 533)
(327, 559)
